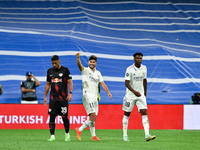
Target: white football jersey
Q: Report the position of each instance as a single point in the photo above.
(135, 76)
(90, 81)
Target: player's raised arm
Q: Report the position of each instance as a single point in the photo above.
(80, 66)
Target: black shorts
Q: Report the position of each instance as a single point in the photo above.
(58, 107)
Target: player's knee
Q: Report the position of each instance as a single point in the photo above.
(92, 117)
(127, 113)
(143, 112)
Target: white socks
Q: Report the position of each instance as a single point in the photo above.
(145, 122)
(90, 124)
(125, 125)
(92, 128)
(85, 125)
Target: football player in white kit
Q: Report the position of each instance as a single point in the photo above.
(136, 89)
(90, 81)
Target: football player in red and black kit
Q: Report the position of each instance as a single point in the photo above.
(58, 78)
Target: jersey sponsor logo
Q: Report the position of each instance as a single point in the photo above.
(138, 78)
(93, 79)
(56, 80)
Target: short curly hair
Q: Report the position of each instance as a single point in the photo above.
(54, 57)
(138, 53)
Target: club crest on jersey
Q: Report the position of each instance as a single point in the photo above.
(127, 74)
(60, 74)
(56, 80)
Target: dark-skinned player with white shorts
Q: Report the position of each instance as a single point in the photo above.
(136, 89)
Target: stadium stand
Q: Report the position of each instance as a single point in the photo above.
(167, 33)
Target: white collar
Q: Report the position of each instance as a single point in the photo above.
(136, 68)
(91, 69)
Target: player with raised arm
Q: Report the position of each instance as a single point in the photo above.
(136, 90)
(90, 80)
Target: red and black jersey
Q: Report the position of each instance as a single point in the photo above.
(59, 85)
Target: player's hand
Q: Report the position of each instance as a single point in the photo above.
(31, 75)
(45, 101)
(110, 95)
(33, 90)
(69, 97)
(78, 54)
(137, 93)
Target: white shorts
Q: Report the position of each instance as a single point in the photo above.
(91, 105)
(129, 103)
(29, 102)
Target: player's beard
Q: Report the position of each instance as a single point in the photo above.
(57, 67)
(92, 66)
(138, 64)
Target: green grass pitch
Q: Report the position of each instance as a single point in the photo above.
(111, 140)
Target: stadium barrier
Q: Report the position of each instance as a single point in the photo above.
(35, 116)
